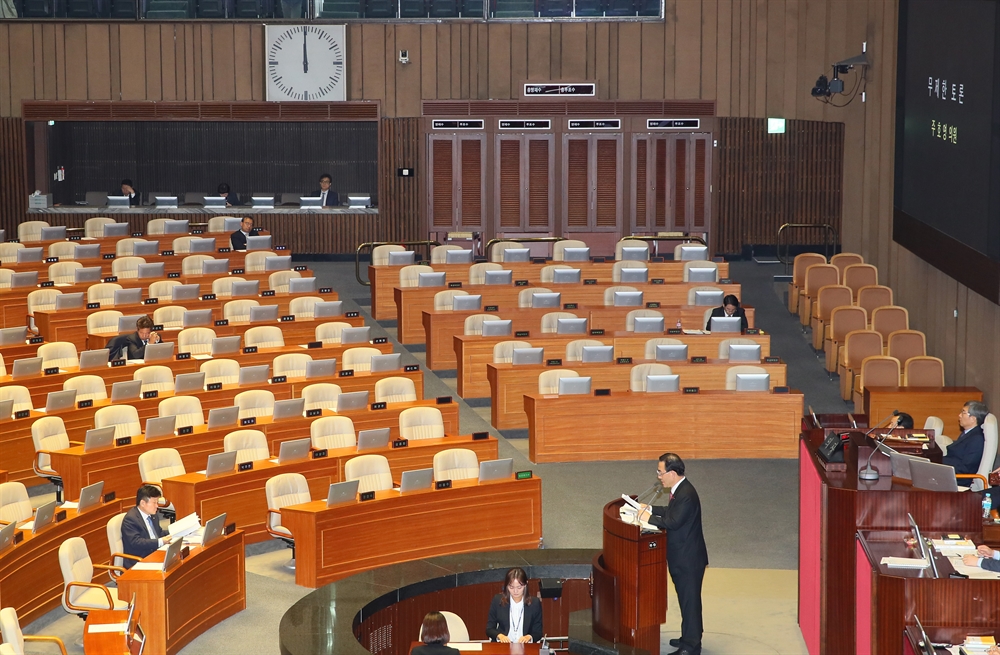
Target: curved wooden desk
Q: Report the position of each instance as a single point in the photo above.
(334, 542)
(584, 428)
(171, 263)
(30, 579)
(194, 595)
(107, 643)
(919, 402)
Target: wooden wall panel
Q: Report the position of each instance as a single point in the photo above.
(399, 204)
(13, 180)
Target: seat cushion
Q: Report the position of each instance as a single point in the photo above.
(98, 600)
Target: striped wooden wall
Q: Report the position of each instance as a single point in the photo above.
(13, 177)
(399, 204)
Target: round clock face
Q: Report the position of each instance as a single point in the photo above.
(305, 62)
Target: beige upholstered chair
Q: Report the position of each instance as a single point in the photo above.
(321, 395)
(574, 349)
(550, 321)
(421, 423)
(162, 289)
(278, 281)
(157, 464)
(80, 593)
(474, 324)
(255, 260)
(292, 365)
(380, 254)
(503, 352)
(8, 252)
(630, 243)
(88, 387)
(41, 300)
(641, 313)
(371, 471)
(637, 376)
(126, 267)
(226, 371)
(280, 491)
(559, 246)
(249, 445)
(239, 310)
(117, 549)
(62, 250)
(195, 340)
(171, 317)
(548, 381)
(94, 227)
(222, 287)
(30, 230)
(256, 402)
(333, 432)
(733, 371)
(739, 341)
(609, 293)
(192, 264)
(443, 299)
(264, 336)
(13, 638)
(330, 332)
(358, 359)
(524, 295)
(104, 293)
(14, 503)
(616, 269)
(58, 353)
(48, 434)
(439, 255)
(456, 464)
(409, 276)
(186, 410)
(497, 252)
(19, 394)
(477, 272)
(303, 307)
(217, 224)
(63, 272)
(704, 263)
(395, 390)
(124, 418)
(155, 378)
(548, 272)
(104, 322)
(126, 247)
(651, 344)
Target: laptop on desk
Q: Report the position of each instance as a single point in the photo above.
(213, 529)
(6, 409)
(58, 401)
(220, 463)
(373, 439)
(933, 477)
(352, 400)
(226, 345)
(43, 517)
(342, 492)
(223, 417)
(496, 469)
(290, 408)
(7, 533)
(173, 554)
(189, 383)
(251, 375)
(98, 439)
(27, 367)
(416, 480)
(90, 496)
(161, 426)
(295, 450)
(125, 390)
(90, 359)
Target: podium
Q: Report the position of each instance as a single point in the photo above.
(630, 583)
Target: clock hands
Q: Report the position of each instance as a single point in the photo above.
(305, 54)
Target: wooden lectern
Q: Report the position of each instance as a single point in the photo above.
(630, 579)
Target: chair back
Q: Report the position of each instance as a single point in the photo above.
(333, 432)
(278, 281)
(159, 463)
(456, 464)
(395, 390)
(155, 378)
(226, 371)
(8, 252)
(847, 319)
(283, 490)
(256, 402)
(886, 320)
(104, 321)
(322, 395)
(195, 340)
(443, 299)
(255, 260)
(524, 295)
(874, 296)
(371, 471)
(642, 313)
(30, 230)
(76, 566)
(125, 419)
(548, 272)
(859, 345)
(503, 352)
(94, 227)
(19, 394)
(88, 387)
(924, 371)
(421, 423)
(609, 293)
(739, 341)
(42, 300)
(62, 250)
(845, 259)
(114, 532)
(457, 629)
(733, 371)
(630, 243)
(330, 332)
(359, 359)
(474, 324)
(819, 276)
(858, 276)
(222, 287)
(64, 272)
(477, 272)
(439, 254)
(880, 371)
(904, 344)
(616, 268)
(15, 505)
(58, 353)
(264, 336)
(170, 316)
(10, 629)
(548, 381)
(186, 410)
(249, 445)
(380, 254)
(303, 307)
(651, 344)
(829, 298)
(409, 276)
(497, 252)
(704, 263)
(574, 349)
(550, 321)
(104, 292)
(637, 376)
(127, 267)
(292, 365)
(161, 289)
(48, 433)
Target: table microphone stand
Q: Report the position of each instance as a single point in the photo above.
(868, 473)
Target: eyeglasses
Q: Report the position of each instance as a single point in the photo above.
(659, 472)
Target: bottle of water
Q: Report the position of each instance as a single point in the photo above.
(987, 505)
(678, 323)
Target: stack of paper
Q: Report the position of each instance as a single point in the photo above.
(972, 571)
(978, 644)
(905, 562)
(953, 547)
(147, 566)
(184, 526)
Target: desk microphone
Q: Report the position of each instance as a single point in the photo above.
(868, 473)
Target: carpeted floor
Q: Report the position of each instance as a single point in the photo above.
(750, 506)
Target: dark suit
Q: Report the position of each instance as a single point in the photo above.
(721, 311)
(135, 535)
(498, 622)
(434, 649)
(233, 199)
(332, 199)
(126, 343)
(987, 564)
(687, 556)
(965, 453)
(239, 240)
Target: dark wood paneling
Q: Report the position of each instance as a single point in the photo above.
(399, 208)
(13, 177)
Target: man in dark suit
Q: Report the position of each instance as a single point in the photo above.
(134, 199)
(141, 531)
(966, 452)
(687, 556)
(730, 307)
(232, 198)
(133, 346)
(238, 239)
(985, 558)
(329, 197)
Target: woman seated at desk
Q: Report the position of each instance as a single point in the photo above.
(434, 633)
(730, 307)
(515, 617)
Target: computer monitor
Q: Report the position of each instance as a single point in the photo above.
(125, 390)
(703, 274)
(145, 248)
(183, 292)
(90, 496)
(214, 202)
(91, 359)
(628, 299)
(321, 368)
(259, 242)
(264, 314)
(30, 255)
(223, 417)
(498, 277)
(526, 356)
(662, 383)
(308, 202)
(220, 464)
(648, 324)
(671, 352)
(6, 409)
(434, 279)
(727, 324)
(245, 288)
(7, 533)
(566, 276)
(231, 223)
(87, 251)
(294, 450)
(226, 345)
(635, 253)
(693, 253)
(24, 279)
(116, 229)
(576, 254)
(708, 297)
(26, 367)
(87, 275)
(197, 317)
(155, 269)
(278, 263)
(934, 477)
(127, 323)
(175, 226)
(598, 354)
(251, 375)
(498, 328)
(342, 492)
(189, 382)
(496, 469)
(128, 296)
(372, 439)
(213, 529)
(513, 255)
(99, 438)
(13, 335)
(159, 426)
(925, 551)
(60, 401)
(634, 275)
(158, 352)
(359, 199)
(352, 401)
(289, 408)
(54, 233)
(215, 266)
(467, 303)
(302, 285)
(69, 301)
(744, 352)
(328, 308)
(201, 245)
(402, 258)
(165, 202)
(266, 202)
(546, 299)
(458, 257)
(355, 335)
(574, 386)
(43, 516)
(416, 480)
(390, 362)
(571, 326)
(753, 382)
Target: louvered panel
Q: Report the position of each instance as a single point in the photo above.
(689, 108)
(471, 211)
(700, 183)
(542, 108)
(442, 192)
(263, 112)
(651, 108)
(641, 182)
(486, 107)
(33, 111)
(88, 111)
(216, 111)
(577, 183)
(13, 176)
(399, 197)
(348, 111)
(680, 183)
(179, 110)
(579, 107)
(662, 181)
(539, 183)
(607, 183)
(240, 111)
(445, 108)
(128, 111)
(510, 182)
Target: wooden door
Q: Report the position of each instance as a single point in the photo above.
(592, 182)
(456, 189)
(525, 173)
(671, 182)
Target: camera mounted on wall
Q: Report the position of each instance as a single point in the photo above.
(825, 87)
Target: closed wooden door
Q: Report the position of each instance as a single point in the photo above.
(456, 190)
(525, 173)
(671, 182)
(592, 182)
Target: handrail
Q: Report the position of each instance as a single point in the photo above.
(678, 237)
(371, 245)
(826, 244)
(489, 244)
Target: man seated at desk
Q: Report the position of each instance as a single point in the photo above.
(965, 453)
(238, 239)
(133, 346)
(328, 198)
(232, 198)
(141, 531)
(901, 420)
(730, 307)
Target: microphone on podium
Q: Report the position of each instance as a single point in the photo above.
(868, 473)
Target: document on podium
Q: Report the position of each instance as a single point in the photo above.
(629, 514)
(905, 562)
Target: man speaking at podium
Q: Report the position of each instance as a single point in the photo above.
(687, 555)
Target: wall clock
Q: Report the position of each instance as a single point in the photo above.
(305, 63)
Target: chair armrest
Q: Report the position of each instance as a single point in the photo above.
(986, 483)
(77, 608)
(78, 443)
(112, 568)
(109, 567)
(56, 640)
(35, 462)
(267, 524)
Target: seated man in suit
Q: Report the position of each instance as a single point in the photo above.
(730, 307)
(329, 198)
(965, 453)
(238, 239)
(985, 558)
(232, 198)
(134, 199)
(133, 346)
(141, 531)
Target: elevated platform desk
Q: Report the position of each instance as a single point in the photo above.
(335, 542)
(204, 589)
(919, 402)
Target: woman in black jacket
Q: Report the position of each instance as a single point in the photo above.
(514, 615)
(434, 634)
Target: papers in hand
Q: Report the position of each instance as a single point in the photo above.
(630, 501)
(184, 526)
(905, 562)
(974, 571)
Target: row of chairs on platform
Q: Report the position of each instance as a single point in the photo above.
(445, 300)
(550, 321)
(127, 267)
(172, 317)
(94, 227)
(548, 381)
(409, 276)
(67, 251)
(503, 352)
(439, 254)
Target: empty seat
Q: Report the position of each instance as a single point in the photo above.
(256, 402)
(456, 464)
(704, 263)
(859, 276)
(249, 445)
(844, 260)
(19, 394)
(886, 320)
(409, 276)
(15, 505)
(574, 349)
(550, 321)
(474, 324)
(628, 243)
(195, 340)
(30, 230)
(559, 246)
(157, 464)
(224, 371)
(80, 593)
(829, 298)
(156, 226)
(62, 250)
(817, 276)
(264, 336)
(858, 345)
(103, 292)
(873, 297)
(616, 269)
(291, 365)
(281, 491)
(41, 300)
(63, 272)
(924, 371)
(548, 272)
(692, 298)
(94, 227)
(651, 344)
(641, 313)
(439, 254)
(217, 224)
(48, 434)
(58, 353)
(371, 471)
(303, 307)
(637, 376)
(182, 245)
(733, 371)
(87, 387)
(443, 299)
(278, 281)
(155, 378)
(333, 432)
(609, 293)
(8, 252)
(170, 317)
(256, 260)
(421, 423)
(124, 418)
(904, 344)
(126, 247)
(503, 352)
(104, 322)
(843, 320)
(222, 287)
(321, 395)
(162, 289)
(725, 343)
(330, 332)
(192, 264)
(186, 410)
(548, 381)
(876, 371)
(524, 295)
(126, 267)
(497, 251)
(14, 639)
(477, 272)
(359, 359)
(239, 310)
(395, 390)
(380, 254)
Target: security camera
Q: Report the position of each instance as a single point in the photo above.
(404, 57)
(822, 88)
